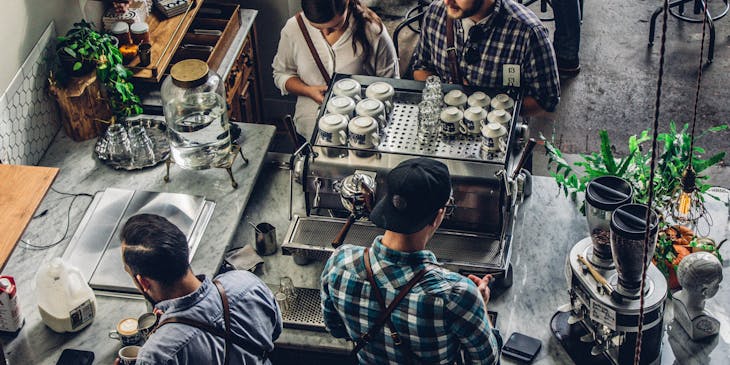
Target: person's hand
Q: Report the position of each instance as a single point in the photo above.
(120, 6)
(482, 285)
(316, 92)
(116, 361)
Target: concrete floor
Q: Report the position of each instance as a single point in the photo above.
(616, 88)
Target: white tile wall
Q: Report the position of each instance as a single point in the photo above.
(29, 116)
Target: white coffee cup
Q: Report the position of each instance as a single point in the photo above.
(500, 116)
(341, 105)
(372, 108)
(451, 118)
(502, 101)
(382, 91)
(455, 98)
(479, 99)
(347, 87)
(333, 129)
(128, 355)
(493, 137)
(473, 120)
(364, 132)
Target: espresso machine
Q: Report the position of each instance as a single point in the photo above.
(603, 271)
(339, 183)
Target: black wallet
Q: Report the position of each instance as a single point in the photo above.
(521, 347)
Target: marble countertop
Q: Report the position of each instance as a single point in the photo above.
(81, 173)
(548, 225)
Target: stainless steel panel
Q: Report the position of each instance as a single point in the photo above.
(305, 311)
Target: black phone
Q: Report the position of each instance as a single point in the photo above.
(522, 347)
(492, 318)
(75, 357)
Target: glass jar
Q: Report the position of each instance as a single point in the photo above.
(120, 30)
(140, 33)
(194, 103)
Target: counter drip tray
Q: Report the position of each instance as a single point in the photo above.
(466, 252)
(304, 311)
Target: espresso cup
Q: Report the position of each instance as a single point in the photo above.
(502, 101)
(333, 129)
(128, 355)
(479, 99)
(364, 132)
(347, 87)
(145, 324)
(493, 137)
(473, 120)
(500, 116)
(450, 118)
(372, 108)
(126, 332)
(455, 98)
(341, 105)
(382, 91)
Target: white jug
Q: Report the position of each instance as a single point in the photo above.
(65, 300)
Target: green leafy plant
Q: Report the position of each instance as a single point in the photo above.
(82, 50)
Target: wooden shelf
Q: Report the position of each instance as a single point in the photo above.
(166, 36)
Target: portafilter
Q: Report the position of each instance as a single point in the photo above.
(357, 194)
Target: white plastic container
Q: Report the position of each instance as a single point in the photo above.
(11, 318)
(65, 300)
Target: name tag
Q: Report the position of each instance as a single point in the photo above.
(511, 75)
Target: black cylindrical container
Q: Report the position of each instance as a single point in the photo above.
(603, 195)
(628, 226)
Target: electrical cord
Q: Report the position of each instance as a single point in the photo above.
(39, 247)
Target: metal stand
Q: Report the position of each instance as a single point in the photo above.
(227, 164)
(698, 6)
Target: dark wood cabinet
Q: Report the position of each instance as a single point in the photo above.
(243, 84)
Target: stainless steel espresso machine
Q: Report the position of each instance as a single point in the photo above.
(339, 180)
(600, 324)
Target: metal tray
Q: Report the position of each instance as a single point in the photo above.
(156, 130)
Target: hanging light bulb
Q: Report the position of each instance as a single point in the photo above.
(688, 207)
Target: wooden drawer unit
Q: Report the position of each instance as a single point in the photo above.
(243, 86)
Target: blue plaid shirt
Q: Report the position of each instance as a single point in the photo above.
(513, 35)
(441, 313)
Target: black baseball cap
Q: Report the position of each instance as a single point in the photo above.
(417, 189)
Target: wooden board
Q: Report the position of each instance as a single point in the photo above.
(165, 36)
(22, 189)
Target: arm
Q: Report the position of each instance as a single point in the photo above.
(541, 82)
(467, 313)
(421, 75)
(422, 65)
(332, 319)
(286, 71)
(386, 60)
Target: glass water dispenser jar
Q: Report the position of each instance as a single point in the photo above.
(194, 103)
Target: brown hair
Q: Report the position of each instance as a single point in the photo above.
(322, 11)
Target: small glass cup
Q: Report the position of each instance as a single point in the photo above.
(433, 82)
(286, 286)
(143, 153)
(118, 147)
(283, 301)
(428, 121)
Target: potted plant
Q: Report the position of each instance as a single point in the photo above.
(82, 50)
(635, 168)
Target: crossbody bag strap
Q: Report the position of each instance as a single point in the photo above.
(312, 50)
(226, 320)
(451, 52)
(387, 311)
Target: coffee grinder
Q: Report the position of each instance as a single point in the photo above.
(600, 324)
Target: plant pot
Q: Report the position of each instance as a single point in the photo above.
(672, 279)
(67, 63)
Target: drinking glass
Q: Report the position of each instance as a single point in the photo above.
(118, 146)
(286, 286)
(143, 153)
(433, 82)
(283, 301)
(428, 121)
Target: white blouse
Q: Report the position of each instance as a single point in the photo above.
(293, 58)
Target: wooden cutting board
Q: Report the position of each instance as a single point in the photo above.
(22, 189)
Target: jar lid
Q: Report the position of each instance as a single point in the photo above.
(139, 28)
(120, 27)
(629, 221)
(608, 192)
(189, 73)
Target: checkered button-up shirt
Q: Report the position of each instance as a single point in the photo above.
(512, 35)
(442, 313)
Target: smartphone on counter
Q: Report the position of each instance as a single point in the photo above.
(75, 357)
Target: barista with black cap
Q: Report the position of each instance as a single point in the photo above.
(431, 313)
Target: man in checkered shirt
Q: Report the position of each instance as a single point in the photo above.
(442, 315)
(496, 43)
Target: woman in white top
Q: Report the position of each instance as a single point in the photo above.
(348, 37)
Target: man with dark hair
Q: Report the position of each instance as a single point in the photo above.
(489, 43)
(435, 312)
(233, 319)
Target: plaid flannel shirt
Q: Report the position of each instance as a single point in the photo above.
(441, 314)
(513, 35)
